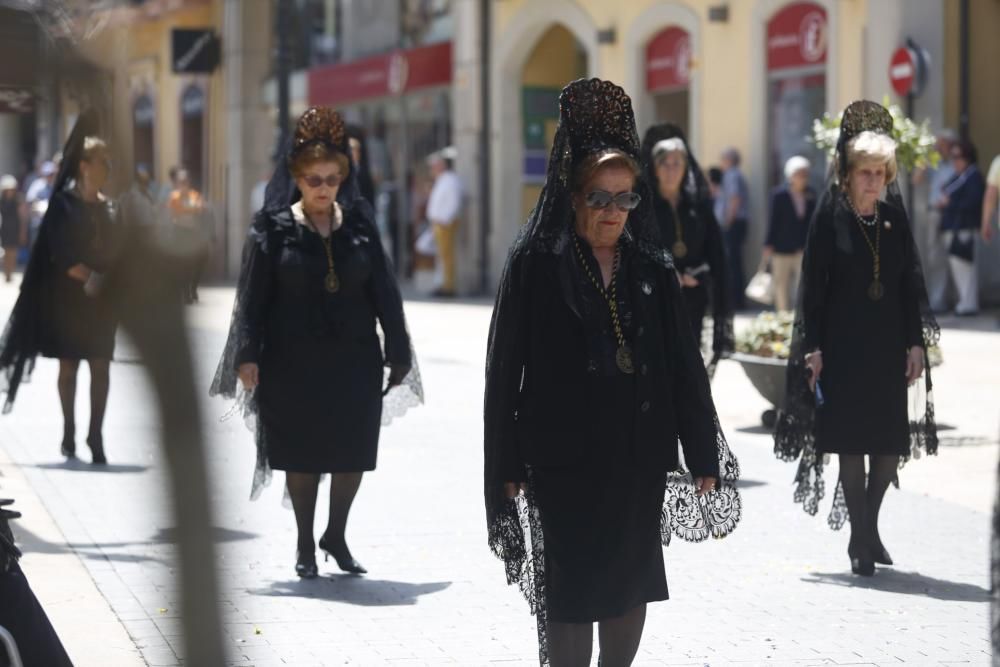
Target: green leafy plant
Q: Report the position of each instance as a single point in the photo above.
(914, 142)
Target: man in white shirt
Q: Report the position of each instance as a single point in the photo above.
(443, 210)
(936, 258)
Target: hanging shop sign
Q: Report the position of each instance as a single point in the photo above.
(194, 51)
(797, 36)
(668, 60)
(393, 73)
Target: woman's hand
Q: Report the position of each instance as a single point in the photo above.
(249, 375)
(79, 272)
(397, 373)
(688, 281)
(703, 485)
(512, 489)
(914, 364)
(814, 362)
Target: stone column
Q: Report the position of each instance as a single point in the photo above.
(246, 51)
(466, 137)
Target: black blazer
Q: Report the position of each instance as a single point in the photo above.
(786, 232)
(541, 400)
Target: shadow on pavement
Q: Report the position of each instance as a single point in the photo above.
(909, 583)
(353, 590)
(755, 430)
(749, 483)
(31, 543)
(83, 466)
(219, 535)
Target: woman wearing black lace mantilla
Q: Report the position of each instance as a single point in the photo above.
(592, 375)
(303, 338)
(862, 328)
(62, 311)
(682, 204)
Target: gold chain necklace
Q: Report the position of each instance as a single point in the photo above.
(331, 283)
(623, 356)
(876, 290)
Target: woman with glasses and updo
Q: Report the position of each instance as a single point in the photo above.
(313, 285)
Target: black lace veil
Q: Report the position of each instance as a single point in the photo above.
(281, 192)
(794, 435)
(593, 115)
(697, 195)
(21, 340)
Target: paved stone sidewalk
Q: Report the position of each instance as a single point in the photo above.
(776, 592)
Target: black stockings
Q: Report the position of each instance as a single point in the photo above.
(303, 488)
(865, 500)
(100, 384)
(571, 644)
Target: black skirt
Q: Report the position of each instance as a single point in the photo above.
(76, 326)
(601, 531)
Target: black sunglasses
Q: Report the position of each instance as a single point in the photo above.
(601, 199)
(314, 181)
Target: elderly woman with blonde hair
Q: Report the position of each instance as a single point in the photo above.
(861, 332)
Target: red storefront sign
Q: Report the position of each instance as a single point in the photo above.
(903, 71)
(389, 74)
(668, 60)
(797, 37)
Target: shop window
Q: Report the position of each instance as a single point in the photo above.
(193, 134)
(143, 116)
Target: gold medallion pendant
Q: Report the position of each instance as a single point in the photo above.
(680, 249)
(624, 360)
(332, 282)
(876, 290)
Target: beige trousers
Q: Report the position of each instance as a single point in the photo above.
(785, 272)
(444, 236)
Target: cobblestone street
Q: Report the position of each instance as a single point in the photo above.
(99, 545)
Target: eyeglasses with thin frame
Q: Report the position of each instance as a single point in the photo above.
(601, 199)
(314, 181)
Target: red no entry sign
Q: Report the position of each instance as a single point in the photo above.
(903, 70)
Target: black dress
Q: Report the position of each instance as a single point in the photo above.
(703, 258)
(10, 222)
(321, 367)
(864, 341)
(74, 325)
(585, 568)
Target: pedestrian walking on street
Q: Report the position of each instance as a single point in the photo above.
(735, 222)
(935, 252)
(13, 224)
(303, 338)
(682, 205)
(961, 221)
(792, 207)
(62, 311)
(862, 329)
(592, 374)
(193, 230)
(443, 210)
(359, 161)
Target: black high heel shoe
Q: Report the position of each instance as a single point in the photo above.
(305, 566)
(68, 447)
(344, 562)
(96, 445)
(879, 554)
(862, 563)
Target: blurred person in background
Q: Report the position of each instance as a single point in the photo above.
(139, 203)
(735, 222)
(37, 198)
(961, 219)
(443, 209)
(193, 227)
(359, 160)
(62, 311)
(792, 207)
(13, 224)
(935, 258)
(682, 207)
(990, 200)
(715, 188)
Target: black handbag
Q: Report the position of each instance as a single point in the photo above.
(963, 248)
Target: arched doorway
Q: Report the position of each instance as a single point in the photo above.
(797, 45)
(668, 76)
(193, 134)
(556, 59)
(143, 142)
